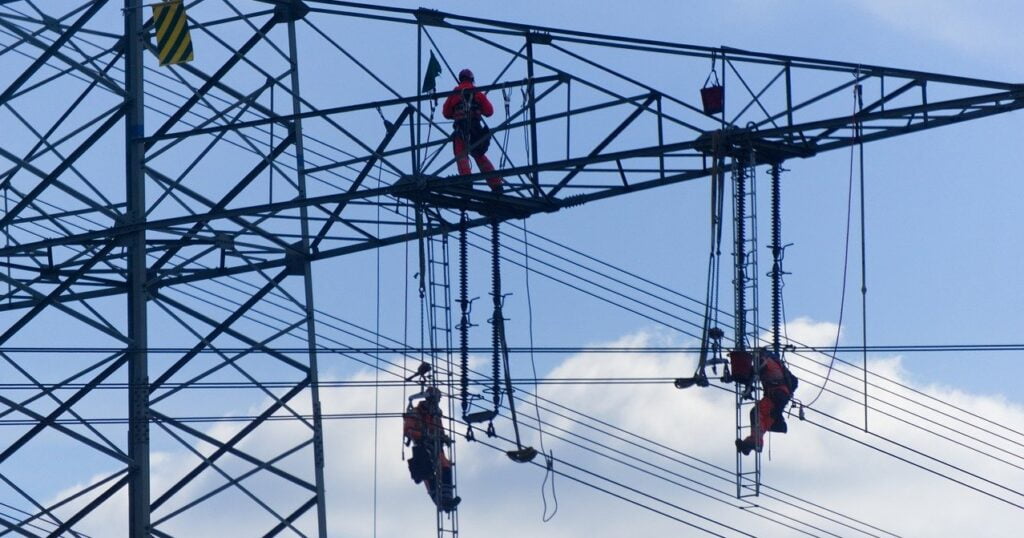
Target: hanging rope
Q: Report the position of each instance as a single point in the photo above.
(405, 318)
(506, 95)
(859, 91)
(522, 454)
(846, 259)
(712, 334)
(270, 145)
(549, 458)
(376, 370)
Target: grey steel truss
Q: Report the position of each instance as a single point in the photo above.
(185, 206)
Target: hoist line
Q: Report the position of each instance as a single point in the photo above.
(711, 286)
(846, 264)
(548, 458)
(863, 256)
(376, 371)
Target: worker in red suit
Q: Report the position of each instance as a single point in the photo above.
(778, 384)
(470, 136)
(423, 427)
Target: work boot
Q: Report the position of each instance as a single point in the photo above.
(779, 425)
(744, 446)
(495, 184)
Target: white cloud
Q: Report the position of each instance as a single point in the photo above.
(501, 498)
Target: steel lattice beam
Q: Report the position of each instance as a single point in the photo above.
(83, 244)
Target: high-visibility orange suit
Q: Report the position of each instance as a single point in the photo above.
(422, 425)
(771, 405)
(470, 136)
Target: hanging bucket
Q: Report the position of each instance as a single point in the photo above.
(713, 99)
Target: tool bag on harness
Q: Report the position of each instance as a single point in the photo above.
(789, 378)
(420, 466)
(742, 365)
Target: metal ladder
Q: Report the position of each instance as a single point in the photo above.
(748, 480)
(442, 362)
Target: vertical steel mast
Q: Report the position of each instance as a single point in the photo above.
(292, 13)
(135, 243)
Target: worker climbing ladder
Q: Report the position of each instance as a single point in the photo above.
(439, 319)
(745, 276)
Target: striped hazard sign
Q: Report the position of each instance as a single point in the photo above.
(173, 42)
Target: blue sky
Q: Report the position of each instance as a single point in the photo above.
(943, 263)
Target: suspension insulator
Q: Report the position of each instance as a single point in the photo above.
(740, 186)
(496, 321)
(776, 258)
(464, 322)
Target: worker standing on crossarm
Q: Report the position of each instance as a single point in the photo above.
(423, 427)
(779, 384)
(470, 136)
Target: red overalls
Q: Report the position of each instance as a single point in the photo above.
(466, 116)
(772, 403)
(423, 426)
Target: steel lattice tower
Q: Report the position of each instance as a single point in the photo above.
(247, 168)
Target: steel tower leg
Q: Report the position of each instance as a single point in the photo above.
(314, 377)
(138, 368)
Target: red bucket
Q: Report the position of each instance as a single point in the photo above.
(713, 99)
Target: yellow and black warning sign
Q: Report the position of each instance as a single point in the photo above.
(173, 42)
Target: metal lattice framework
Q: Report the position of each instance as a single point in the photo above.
(152, 206)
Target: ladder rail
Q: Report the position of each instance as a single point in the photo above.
(745, 278)
(440, 321)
